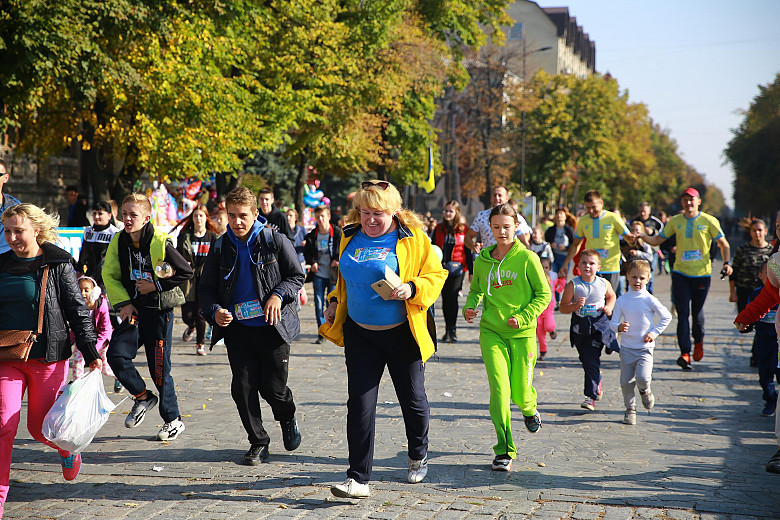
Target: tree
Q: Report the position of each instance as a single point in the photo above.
(755, 155)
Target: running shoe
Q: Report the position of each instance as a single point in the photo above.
(291, 435)
(599, 392)
(630, 416)
(71, 466)
(648, 399)
(170, 430)
(502, 463)
(200, 350)
(589, 404)
(350, 488)
(533, 422)
(140, 407)
(117, 386)
(257, 453)
(417, 470)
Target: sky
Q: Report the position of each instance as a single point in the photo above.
(694, 63)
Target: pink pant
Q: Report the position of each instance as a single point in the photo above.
(42, 382)
(545, 323)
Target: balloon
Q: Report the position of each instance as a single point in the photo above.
(325, 201)
(437, 251)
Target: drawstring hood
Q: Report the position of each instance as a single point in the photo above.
(244, 248)
(486, 254)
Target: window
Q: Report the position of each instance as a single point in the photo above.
(516, 32)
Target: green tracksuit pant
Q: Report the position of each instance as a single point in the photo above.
(509, 363)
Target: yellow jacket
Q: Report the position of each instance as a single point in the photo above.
(417, 263)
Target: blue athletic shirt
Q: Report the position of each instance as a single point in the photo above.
(363, 263)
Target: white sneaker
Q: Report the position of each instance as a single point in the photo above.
(201, 350)
(351, 488)
(648, 399)
(630, 416)
(170, 430)
(589, 404)
(417, 470)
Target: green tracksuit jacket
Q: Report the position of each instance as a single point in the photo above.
(515, 286)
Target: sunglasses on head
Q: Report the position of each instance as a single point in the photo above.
(381, 184)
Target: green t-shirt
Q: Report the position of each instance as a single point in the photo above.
(19, 298)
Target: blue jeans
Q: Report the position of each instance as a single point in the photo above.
(322, 287)
(689, 295)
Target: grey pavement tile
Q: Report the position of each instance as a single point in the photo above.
(450, 514)
(680, 514)
(618, 513)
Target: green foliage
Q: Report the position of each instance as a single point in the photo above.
(754, 152)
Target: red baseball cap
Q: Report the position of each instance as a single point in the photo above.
(693, 192)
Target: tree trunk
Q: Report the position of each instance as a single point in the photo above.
(300, 181)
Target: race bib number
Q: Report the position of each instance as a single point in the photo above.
(248, 310)
(137, 274)
(603, 253)
(368, 254)
(692, 256)
(589, 310)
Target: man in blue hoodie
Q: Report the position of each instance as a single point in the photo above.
(253, 308)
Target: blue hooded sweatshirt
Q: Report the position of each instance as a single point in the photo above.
(245, 290)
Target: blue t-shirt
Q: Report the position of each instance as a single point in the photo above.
(245, 304)
(363, 263)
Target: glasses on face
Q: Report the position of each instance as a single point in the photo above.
(381, 184)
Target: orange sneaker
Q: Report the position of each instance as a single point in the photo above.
(684, 361)
(698, 351)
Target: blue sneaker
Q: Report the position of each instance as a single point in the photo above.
(533, 422)
(769, 410)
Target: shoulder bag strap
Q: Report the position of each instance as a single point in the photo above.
(42, 301)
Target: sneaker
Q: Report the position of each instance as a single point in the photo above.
(453, 337)
(319, 340)
(117, 386)
(589, 404)
(684, 361)
(773, 466)
(201, 350)
(502, 463)
(71, 466)
(553, 335)
(257, 453)
(187, 336)
(648, 399)
(630, 416)
(140, 407)
(417, 470)
(769, 410)
(541, 356)
(445, 338)
(170, 430)
(599, 392)
(291, 435)
(350, 488)
(533, 422)
(698, 351)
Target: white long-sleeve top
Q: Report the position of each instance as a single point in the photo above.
(639, 309)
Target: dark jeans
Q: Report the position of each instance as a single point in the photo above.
(322, 287)
(589, 350)
(258, 359)
(689, 295)
(743, 293)
(449, 301)
(367, 352)
(152, 330)
(765, 353)
(190, 314)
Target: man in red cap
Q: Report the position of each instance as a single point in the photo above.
(692, 271)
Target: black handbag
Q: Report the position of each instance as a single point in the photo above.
(453, 268)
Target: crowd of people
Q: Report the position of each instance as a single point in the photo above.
(237, 271)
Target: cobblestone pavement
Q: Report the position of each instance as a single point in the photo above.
(700, 454)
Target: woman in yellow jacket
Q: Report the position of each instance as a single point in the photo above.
(397, 332)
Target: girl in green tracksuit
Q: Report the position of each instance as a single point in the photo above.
(510, 282)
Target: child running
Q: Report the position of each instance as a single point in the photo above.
(511, 280)
(98, 311)
(590, 299)
(545, 323)
(634, 316)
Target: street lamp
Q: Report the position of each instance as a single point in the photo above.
(522, 116)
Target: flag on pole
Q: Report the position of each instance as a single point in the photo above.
(429, 184)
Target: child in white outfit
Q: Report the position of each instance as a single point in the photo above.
(633, 316)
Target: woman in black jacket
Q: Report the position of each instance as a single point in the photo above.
(31, 234)
(197, 235)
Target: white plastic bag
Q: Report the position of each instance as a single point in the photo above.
(78, 413)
